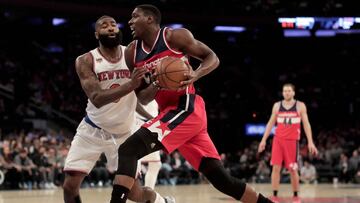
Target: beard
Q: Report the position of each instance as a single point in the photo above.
(109, 42)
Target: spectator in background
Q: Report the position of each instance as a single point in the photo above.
(41, 161)
(29, 173)
(344, 168)
(308, 173)
(354, 164)
(100, 174)
(59, 173)
(13, 175)
(262, 173)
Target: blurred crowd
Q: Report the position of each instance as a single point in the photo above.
(35, 160)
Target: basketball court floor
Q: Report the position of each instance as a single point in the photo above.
(196, 194)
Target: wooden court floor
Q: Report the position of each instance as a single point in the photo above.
(195, 194)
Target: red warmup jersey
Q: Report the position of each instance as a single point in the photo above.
(288, 123)
(149, 59)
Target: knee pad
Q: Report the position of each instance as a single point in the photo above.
(134, 148)
(215, 172)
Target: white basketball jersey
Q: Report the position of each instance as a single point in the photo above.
(119, 116)
(152, 108)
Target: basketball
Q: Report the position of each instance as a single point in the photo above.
(170, 72)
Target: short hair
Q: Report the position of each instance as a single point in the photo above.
(151, 10)
(289, 85)
(99, 19)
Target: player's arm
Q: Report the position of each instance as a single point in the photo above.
(140, 110)
(269, 127)
(145, 93)
(183, 40)
(307, 128)
(91, 85)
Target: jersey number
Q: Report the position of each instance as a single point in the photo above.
(287, 121)
(113, 86)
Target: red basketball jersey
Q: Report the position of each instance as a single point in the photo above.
(149, 59)
(288, 123)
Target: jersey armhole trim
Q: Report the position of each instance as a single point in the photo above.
(93, 63)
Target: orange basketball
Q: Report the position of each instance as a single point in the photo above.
(170, 72)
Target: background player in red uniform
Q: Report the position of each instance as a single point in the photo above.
(288, 115)
(182, 122)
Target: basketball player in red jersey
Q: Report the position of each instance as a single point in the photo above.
(288, 115)
(109, 85)
(181, 123)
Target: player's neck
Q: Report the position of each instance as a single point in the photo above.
(151, 37)
(290, 101)
(111, 54)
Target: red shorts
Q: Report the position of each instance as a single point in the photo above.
(285, 151)
(185, 128)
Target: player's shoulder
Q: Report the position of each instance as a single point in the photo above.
(300, 104)
(85, 59)
(131, 47)
(277, 104)
(276, 107)
(177, 33)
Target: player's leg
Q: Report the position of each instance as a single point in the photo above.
(154, 165)
(137, 192)
(294, 178)
(275, 179)
(215, 172)
(71, 186)
(201, 153)
(138, 145)
(83, 154)
(276, 162)
(169, 130)
(291, 149)
(153, 160)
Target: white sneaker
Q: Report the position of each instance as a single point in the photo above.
(47, 185)
(53, 186)
(169, 199)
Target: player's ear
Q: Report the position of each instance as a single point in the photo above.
(150, 19)
(96, 35)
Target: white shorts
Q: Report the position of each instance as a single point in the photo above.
(153, 157)
(87, 146)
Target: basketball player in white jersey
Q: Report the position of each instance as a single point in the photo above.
(109, 85)
(144, 114)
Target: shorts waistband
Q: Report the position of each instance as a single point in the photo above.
(87, 120)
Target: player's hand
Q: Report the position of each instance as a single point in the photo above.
(137, 76)
(191, 78)
(156, 85)
(262, 146)
(312, 149)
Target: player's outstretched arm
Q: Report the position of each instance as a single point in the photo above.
(183, 40)
(91, 86)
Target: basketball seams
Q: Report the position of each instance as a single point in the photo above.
(170, 79)
(165, 78)
(161, 79)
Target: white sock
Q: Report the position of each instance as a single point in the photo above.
(152, 173)
(159, 198)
